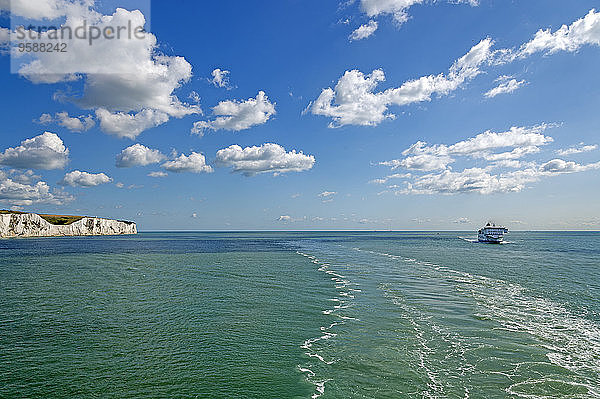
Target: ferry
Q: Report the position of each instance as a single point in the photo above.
(492, 234)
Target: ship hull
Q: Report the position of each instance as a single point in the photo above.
(490, 240)
(486, 241)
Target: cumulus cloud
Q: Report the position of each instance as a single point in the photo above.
(506, 85)
(125, 125)
(354, 101)
(327, 194)
(44, 9)
(562, 166)
(481, 181)
(364, 31)
(267, 158)
(238, 115)
(584, 31)
(24, 188)
(138, 155)
(46, 151)
(121, 76)
(423, 162)
(194, 163)
(499, 150)
(386, 179)
(284, 218)
(577, 150)
(220, 78)
(77, 178)
(483, 143)
(398, 9)
(74, 124)
(158, 174)
(20, 176)
(472, 180)
(520, 141)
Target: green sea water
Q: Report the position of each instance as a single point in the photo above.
(301, 315)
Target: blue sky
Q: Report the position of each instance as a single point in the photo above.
(314, 127)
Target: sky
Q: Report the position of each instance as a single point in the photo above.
(305, 115)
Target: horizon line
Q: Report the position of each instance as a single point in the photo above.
(355, 231)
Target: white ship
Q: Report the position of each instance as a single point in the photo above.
(492, 234)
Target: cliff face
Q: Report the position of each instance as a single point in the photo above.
(33, 225)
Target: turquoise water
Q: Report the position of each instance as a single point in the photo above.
(301, 315)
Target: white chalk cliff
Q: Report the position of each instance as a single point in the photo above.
(33, 225)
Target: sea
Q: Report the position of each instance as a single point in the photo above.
(301, 315)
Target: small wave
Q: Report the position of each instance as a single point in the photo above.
(546, 388)
(320, 389)
(345, 294)
(571, 342)
(476, 241)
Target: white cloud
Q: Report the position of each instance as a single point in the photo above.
(267, 158)
(513, 138)
(77, 178)
(386, 179)
(354, 102)
(121, 75)
(17, 191)
(398, 9)
(364, 31)
(481, 181)
(194, 163)
(506, 85)
(520, 141)
(472, 180)
(423, 162)
(157, 174)
(125, 125)
(560, 166)
(490, 147)
(284, 218)
(577, 150)
(238, 115)
(46, 151)
(44, 9)
(220, 78)
(20, 176)
(327, 194)
(481, 145)
(517, 153)
(584, 31)
(138, 155)
(74, 124)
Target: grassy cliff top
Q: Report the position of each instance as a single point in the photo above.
(59, 220)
